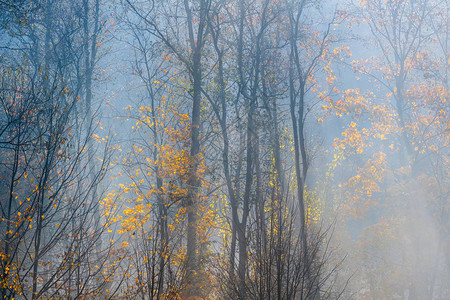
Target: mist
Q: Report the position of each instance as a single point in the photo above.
(211, 149)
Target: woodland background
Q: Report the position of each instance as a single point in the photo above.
(212, 149)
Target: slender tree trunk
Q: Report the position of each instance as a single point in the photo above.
(47, 165)
(90, 52)
(225, 153)
(196, 43)
(298, 171)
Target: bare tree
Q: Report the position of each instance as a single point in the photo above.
(47, 249)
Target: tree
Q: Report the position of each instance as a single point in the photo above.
(395, 134)
(190, 56)
(47, 232)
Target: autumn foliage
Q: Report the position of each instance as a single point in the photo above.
(207, 149)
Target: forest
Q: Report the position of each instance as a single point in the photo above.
(225, 149)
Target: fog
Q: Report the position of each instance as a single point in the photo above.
(211, 149)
